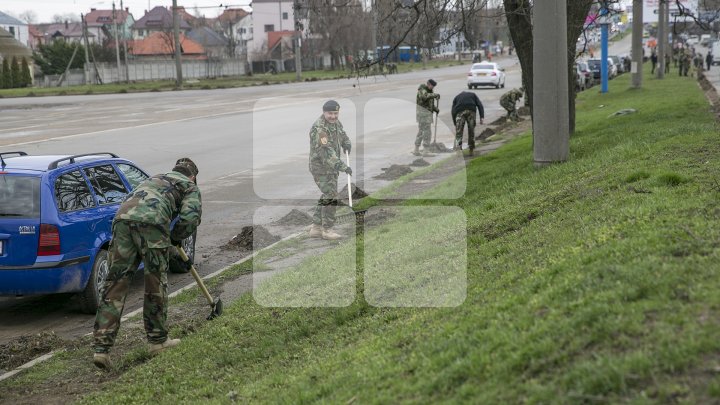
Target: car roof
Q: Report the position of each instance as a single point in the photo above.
(41, 163)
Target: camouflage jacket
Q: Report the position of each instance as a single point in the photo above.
(511, 97)
(160, 199)
(425, 103)
(326, 143)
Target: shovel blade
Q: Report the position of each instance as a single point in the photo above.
(217, 309)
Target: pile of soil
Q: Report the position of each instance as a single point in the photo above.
(393, 172)
(420, 163)
(251, 237)
(26, 348)
(438, 147)
(295, 218)
(357, 193)
(487, 133)
(499, 121)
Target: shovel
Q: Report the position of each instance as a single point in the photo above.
(358, 216)
(216, 305)
(436, 120)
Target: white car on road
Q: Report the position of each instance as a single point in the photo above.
(485, 74)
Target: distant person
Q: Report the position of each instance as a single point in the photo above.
(141, 231)
(424, 109)
(508, 101)
(328, 142)
(463, 112)
(709, 60)
(653, 61)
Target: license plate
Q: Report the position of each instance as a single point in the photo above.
(482, 74)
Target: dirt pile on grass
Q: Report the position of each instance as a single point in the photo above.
(294, 218)
(393, 172)
(251, 237)
(485, 134)
(438, 147)
(420, 163)
(499, 121)
(357, 193)
(26, 348)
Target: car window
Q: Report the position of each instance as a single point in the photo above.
(484, 67)
(133, 175)
(72, 192)
(107, 184)
(19, 196)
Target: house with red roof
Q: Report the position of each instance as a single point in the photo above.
(160, 45)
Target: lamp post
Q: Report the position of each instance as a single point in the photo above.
(604, 21)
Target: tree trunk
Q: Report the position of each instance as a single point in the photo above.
(577, 10)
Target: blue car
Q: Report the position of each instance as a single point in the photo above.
(56, 216)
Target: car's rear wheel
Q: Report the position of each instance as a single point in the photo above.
(470, 86)
(188, 245)
(90, 298)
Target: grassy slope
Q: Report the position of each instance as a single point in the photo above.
(591, 281)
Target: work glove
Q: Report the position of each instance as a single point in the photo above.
(176, 243)
(346, 148)
(348, 171)
(436, 110)
(436, 95)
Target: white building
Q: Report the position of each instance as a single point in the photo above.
(16, 28)
(269, 16)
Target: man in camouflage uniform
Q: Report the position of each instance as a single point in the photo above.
(328, 142)
(508, 100)
(463, 111)
(425, 107)
(141, 232)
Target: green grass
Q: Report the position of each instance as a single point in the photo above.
(593, 281)
(206, 84)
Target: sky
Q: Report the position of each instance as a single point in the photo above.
(46, 9)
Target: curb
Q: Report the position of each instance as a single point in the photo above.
(129, 315)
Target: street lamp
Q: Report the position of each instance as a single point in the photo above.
(604, 21)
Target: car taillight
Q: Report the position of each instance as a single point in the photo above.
(469, 73)
(49, 243)
(493, 74)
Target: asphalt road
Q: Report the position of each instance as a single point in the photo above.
(249, 143)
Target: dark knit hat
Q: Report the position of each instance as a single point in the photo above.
(331, 105)
(433, 82)
(189, 164)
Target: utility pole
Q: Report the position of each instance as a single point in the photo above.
(87, 45)
(298, 39)
(637, 52)
(127, 68)
(282, 61)
(662, 40)
(117, 43)
(373, 29)
(551, 122)
(176, 34)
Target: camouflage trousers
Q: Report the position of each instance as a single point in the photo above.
(509, 106)
(325, 211)
(464, 117)
(424, 133)
(129, 246)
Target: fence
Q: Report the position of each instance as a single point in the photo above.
(151, 70)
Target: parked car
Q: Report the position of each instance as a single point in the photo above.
(56, 215)
(594, 65)
(715, 50)
(585, 69)
(619, 67)
(612, 69)
(485, 74)
(580, 79)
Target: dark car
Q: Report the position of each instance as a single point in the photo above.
(56, 216)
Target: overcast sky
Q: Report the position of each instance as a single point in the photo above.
(46, 9)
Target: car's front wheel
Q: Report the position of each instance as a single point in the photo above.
(90, 297)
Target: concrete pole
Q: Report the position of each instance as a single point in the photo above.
(637, 54)
(176, 35)
(373, 30)
(662, 40)
(550, 84)
(127, 68)
(87, 56)
(117, 43)
(298, 42)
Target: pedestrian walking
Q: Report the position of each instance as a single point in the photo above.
(424, 109)
(463, 112)
(327, 141)
(653, 61)
(709, 60)
(508, 100)
(141, 231)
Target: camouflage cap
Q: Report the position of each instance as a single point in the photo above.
(189, 164)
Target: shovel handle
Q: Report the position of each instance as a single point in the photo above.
(347, 158)
(195, 275)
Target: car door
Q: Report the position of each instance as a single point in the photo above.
(77, 214)
(110, 191)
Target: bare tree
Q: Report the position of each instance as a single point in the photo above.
(29, 16)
